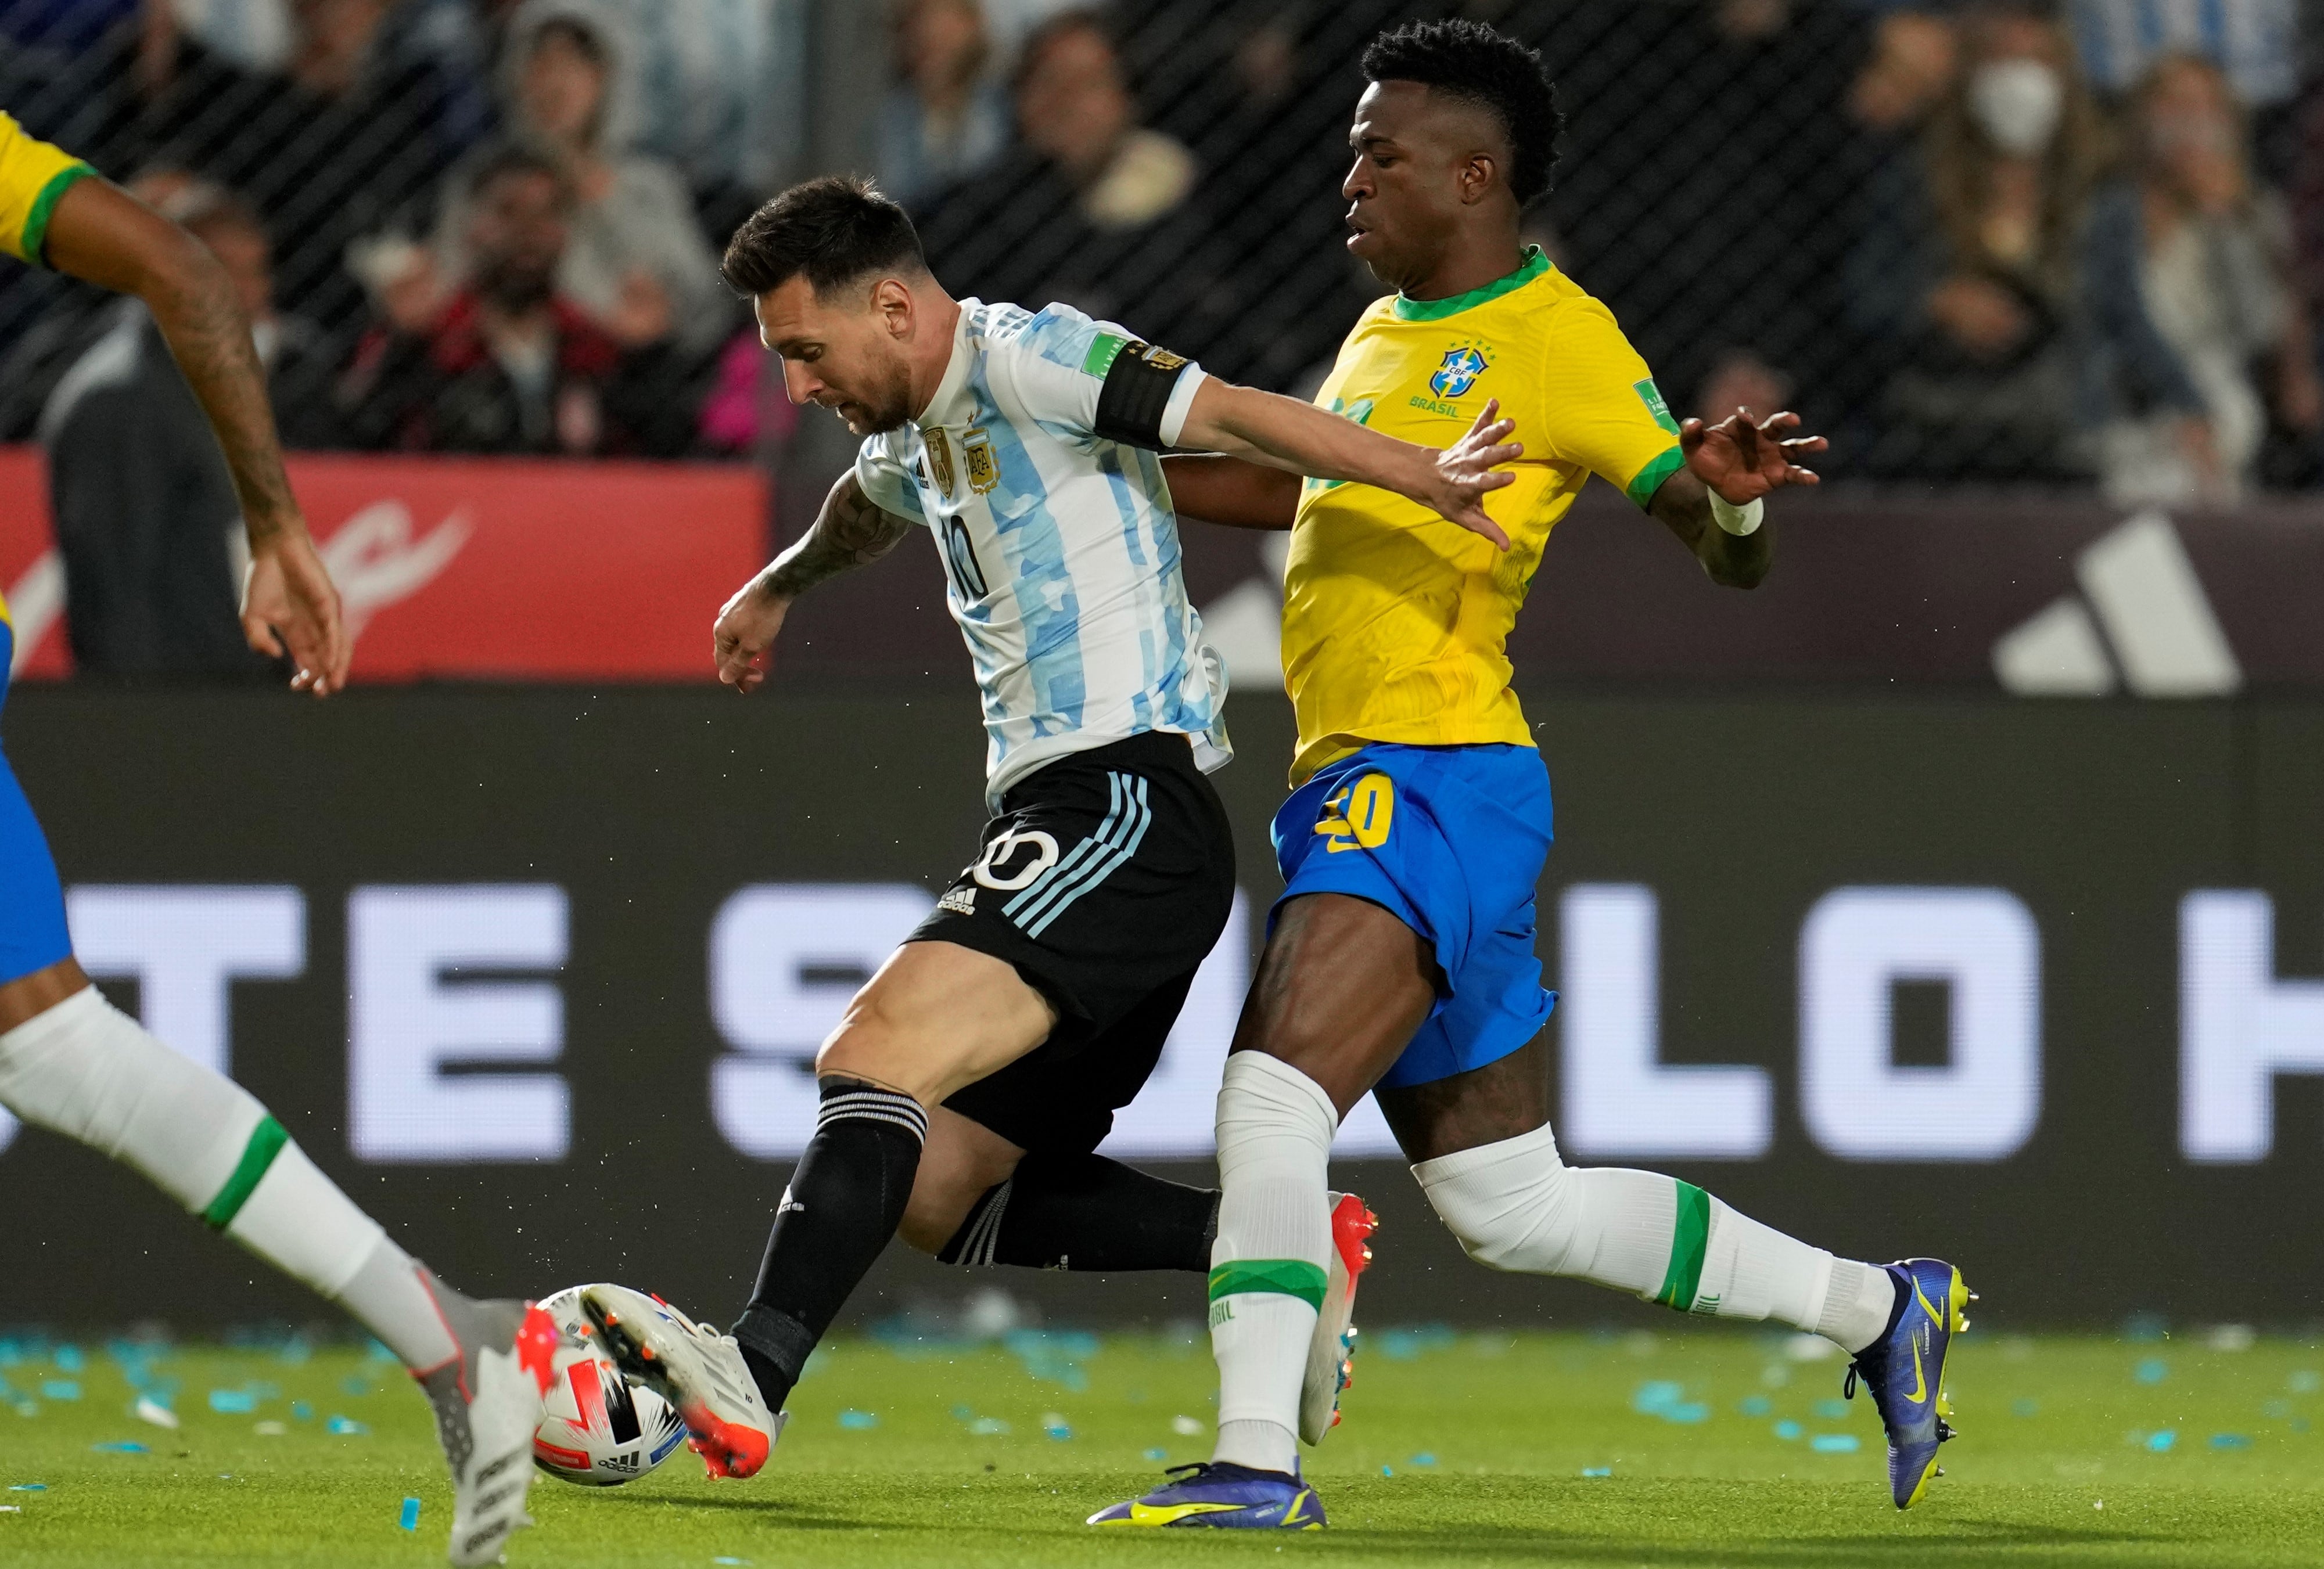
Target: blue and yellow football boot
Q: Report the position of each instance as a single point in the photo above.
(1905, 1372)
(1220, 1495)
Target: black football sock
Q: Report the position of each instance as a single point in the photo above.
(1085, 1211)
(845, 1199)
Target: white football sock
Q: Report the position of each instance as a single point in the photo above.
(85, 1070)
(1269, 1264)
(1514, 1206)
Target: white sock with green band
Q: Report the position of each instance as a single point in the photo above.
(1274, 1247)
(85, 1070)
(1514, 1206)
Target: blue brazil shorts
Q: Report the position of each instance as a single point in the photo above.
(1450, 841)
(31, 906)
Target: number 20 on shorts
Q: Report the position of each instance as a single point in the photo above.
(1359, 816)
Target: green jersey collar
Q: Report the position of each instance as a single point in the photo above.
(1410, 310)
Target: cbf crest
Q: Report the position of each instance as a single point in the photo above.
(1463, 364)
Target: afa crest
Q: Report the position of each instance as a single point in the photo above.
(983, 468)
(1459, 372)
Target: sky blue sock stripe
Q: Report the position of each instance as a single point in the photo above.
(1145, 819)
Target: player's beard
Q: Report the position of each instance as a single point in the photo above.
(885, 408)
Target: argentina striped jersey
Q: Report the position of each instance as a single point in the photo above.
(1059, 546)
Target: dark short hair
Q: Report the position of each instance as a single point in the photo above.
(511, 159)
(1472, 61)
(835, 230)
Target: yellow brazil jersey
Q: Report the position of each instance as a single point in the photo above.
(1394, 620)
(32, 176)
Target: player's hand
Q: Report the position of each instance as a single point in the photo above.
(289, 604)
(745, 631)
(1744, 460)
(1470, 467)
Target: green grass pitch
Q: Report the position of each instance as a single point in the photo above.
(1458, 1449)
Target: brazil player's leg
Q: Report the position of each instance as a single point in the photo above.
(72, 1062)
(1408, 969)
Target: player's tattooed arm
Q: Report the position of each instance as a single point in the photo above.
(850, 531)
(1745, 462)
(103, 235)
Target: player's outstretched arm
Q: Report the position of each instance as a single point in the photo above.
(1741, 463)
(849, 531)
(1300, 439)
(1232, 490)
(103, 235)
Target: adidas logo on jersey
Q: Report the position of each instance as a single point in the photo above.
(958, 901)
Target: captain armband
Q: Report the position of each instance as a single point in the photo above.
(1142, 402)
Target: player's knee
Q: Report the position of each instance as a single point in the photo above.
(1511, 1206)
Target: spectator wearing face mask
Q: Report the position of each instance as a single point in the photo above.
(509, 366)
(2203, 339)
(946, 118)
(1971, 288)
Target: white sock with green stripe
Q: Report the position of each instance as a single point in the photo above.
(1274, 1247)
(1514, 1206)
(85, 1070)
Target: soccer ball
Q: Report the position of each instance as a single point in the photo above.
(599, 1430)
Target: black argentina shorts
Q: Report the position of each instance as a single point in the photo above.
(1106, 881)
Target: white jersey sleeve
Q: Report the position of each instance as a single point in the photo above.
(1088, 380)
(887, 483)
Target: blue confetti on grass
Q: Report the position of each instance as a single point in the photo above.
(30, 1486)
(1834, 1444)
(68, 1359)
(233, 1402)
(1662, 1398)
(410, 1519)
(302, 1411)
(1788, 1431)
(377, 1351)
(352, 1385)
(347, 1426)
(2162, 1443)
(60, 1389)
(1052, 1356)
(2231, 1441)
(2154, 1370)
(1597, 1471)
(856, 1421)
(1385, 1471)
(1423, 1458)
(730, 1560)
(1832, 1411)
(120, 1447)
(1158, 1454)
(1756, 1405)
(2023, 1407)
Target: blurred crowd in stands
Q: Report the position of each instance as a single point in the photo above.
(1977, 242)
